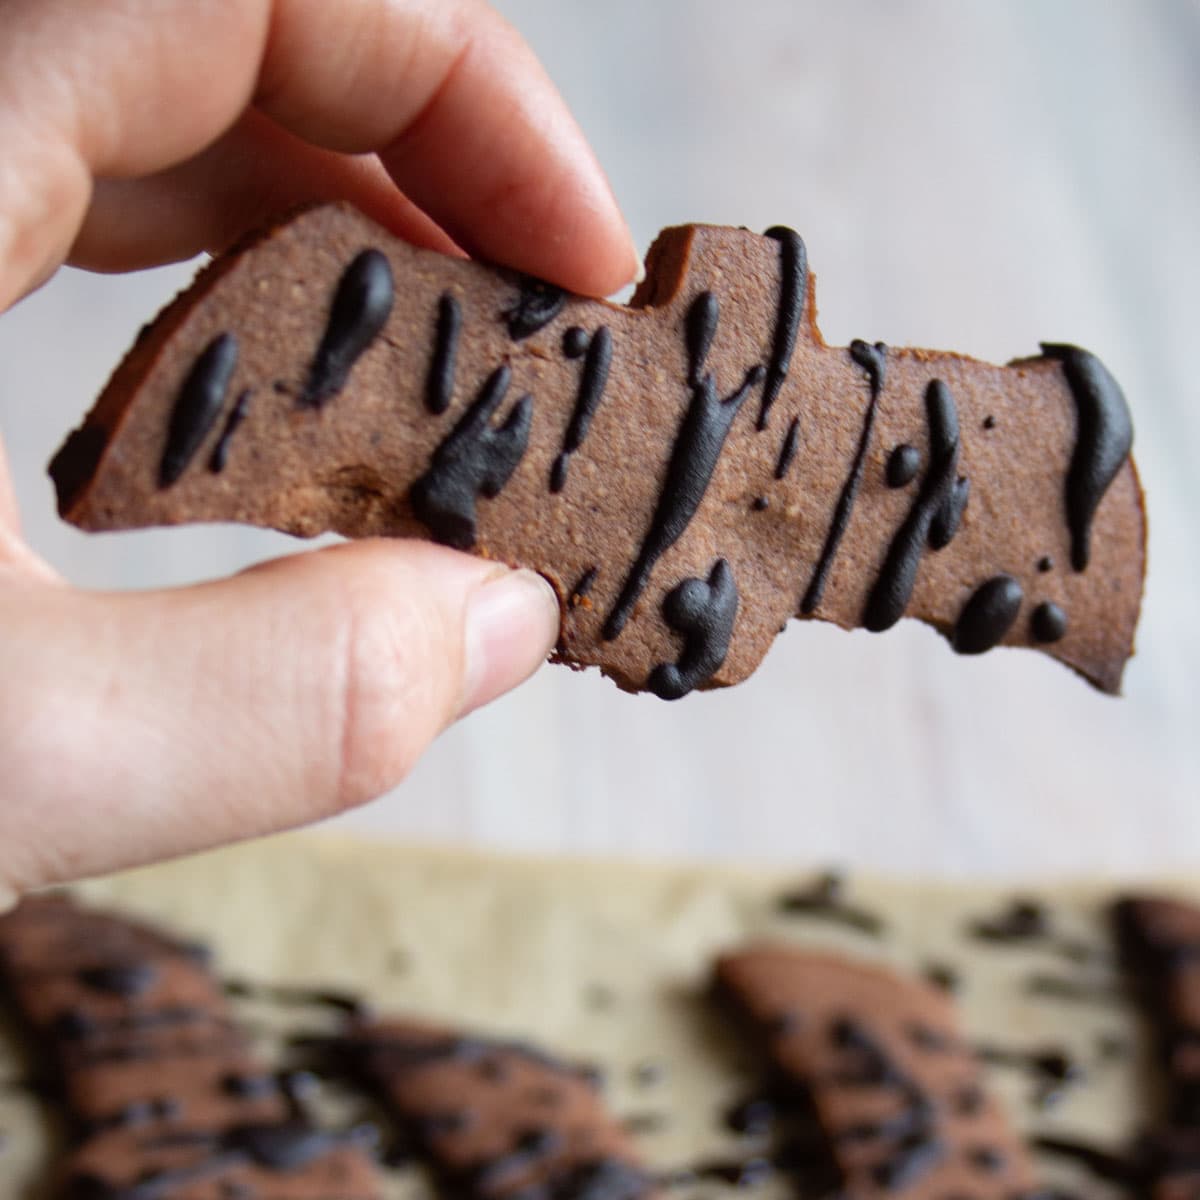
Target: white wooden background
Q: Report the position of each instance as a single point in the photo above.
(969, 175)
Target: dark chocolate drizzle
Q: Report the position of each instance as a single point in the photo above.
(476, 459)
(902, 465)
(585, 584)
(439, 383)
(536, 305)
(345, 1003)
(942, 976)
(793, 291)
(988, 615)
(699, 328)
(1103, 440)
(197, 406)
(894, 587)
(825, 900)
(591, 391)
(948, 518)
(1052, 1070)
(237, 414)
(360, 309)
(703, 611)
(1048, 623)
(1103, 1164)
(873, 360)
(697, 448)
(788, 448)
(1026, 922)
(126, 980)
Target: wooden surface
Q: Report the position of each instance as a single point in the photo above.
(966, 175)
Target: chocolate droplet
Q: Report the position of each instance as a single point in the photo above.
(1049, 622)
(903, 465)
(988, 615)
(575, 342)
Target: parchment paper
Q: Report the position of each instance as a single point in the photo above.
(606, 963)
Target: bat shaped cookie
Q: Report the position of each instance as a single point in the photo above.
(688, 471)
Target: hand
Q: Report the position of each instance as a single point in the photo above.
(135, 727)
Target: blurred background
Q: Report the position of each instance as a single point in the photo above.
(969, 176)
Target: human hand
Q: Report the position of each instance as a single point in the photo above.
(134, 727)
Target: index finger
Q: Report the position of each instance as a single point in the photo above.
(446, 92)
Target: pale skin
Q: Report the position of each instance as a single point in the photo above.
(134, 727)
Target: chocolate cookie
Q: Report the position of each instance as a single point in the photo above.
(1159, 940)
(157, 1078)
(499, 1119)
(688, 471)
(879, 1061)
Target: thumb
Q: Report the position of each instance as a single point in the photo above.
(153, 724)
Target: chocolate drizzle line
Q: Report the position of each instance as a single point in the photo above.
(703, 611)
(894, 587)
(1103, 440)
(873, 360)
(591, 391)
(1052, 1070)
(361, 306)
(1026, 922)
(697, 448)
(793, 290)
(1103, 1164)
(825, 900)
(948, 518)
(788, 448)
(237, 414)
(345, 1003)
(439, 383)
(586, 582)
(197, 406)
(988, 615)
(476, 459)
(536, 305)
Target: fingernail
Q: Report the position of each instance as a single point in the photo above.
(512, 624)
(639, 269)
